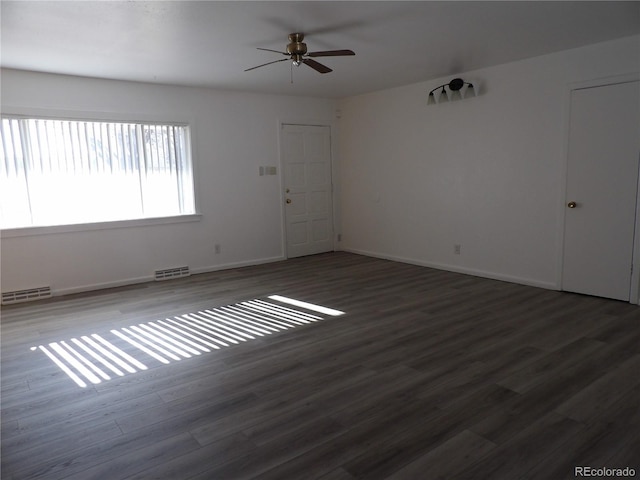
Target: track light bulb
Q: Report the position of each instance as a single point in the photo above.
(443, 96)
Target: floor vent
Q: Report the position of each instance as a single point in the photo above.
(26, 295)
(170, 273)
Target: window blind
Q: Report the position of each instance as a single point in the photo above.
(57, 172)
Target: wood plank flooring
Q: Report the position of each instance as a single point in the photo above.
(428, 375)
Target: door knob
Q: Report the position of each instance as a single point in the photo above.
(572, 204)
(288, 200)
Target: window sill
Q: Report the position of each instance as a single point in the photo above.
(84, 227)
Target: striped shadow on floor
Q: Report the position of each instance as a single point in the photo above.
(94, 358)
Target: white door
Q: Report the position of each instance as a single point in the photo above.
(306, 160)
(602, 183)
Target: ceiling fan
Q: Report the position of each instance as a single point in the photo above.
(297, 53)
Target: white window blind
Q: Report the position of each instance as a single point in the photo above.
(58, 172)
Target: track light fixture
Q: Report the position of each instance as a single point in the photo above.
(456, 89)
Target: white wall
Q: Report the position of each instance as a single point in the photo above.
(233, 134)
(486, 173)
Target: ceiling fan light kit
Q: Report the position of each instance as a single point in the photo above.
(456, 89)
(296, 51)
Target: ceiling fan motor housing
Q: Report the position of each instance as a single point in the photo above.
(296, 45)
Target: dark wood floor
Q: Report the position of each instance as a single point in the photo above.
(427, 375)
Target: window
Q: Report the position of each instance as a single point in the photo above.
(59, 172)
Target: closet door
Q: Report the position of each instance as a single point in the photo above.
(602, 184)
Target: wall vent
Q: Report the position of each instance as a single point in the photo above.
(28, 295)
(169, 273)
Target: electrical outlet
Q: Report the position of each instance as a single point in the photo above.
(456, 248)
(216, 248)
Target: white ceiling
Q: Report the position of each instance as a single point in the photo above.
(211, 43)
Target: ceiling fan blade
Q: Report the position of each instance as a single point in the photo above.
(331, 53)
(318, 67)
(269, 50)
(268, 63)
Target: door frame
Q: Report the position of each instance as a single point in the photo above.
(634, 296)
(332, 168)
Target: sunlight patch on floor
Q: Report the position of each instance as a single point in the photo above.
(308, 306)
(92, 359)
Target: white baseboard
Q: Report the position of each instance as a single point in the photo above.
(457, 269)
(56, 292)
(227, 266)
(150, 278)
(261, 261)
